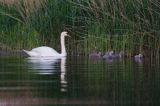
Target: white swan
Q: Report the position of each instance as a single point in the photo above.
(45, 51)
(139, 56)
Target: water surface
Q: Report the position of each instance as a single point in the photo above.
(79, 81)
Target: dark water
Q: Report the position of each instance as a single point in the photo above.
(79, 81)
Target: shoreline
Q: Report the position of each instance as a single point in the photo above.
(9, 53)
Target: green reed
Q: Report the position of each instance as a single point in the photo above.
(130, 26)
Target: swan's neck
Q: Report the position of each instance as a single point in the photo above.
(63, 49)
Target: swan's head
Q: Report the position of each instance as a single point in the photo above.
(140, 55)
(64, 33)
(111, 53)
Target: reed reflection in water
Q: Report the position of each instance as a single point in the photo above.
(32, 81)
(78, 81)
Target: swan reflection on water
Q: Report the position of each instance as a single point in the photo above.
(49, 65)
(45, 65)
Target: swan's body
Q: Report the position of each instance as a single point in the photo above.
(42, 51)
(118, 55)
(139, 56)
(112, 55)
(108, 55)
(95, 55)
(45, 51)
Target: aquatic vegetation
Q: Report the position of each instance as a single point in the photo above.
(25, 36)
(131, 26)
(128, 26)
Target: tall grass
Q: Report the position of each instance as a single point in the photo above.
(16, 32)
(132, 26)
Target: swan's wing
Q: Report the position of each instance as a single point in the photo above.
(45, 51)
(30, 53)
